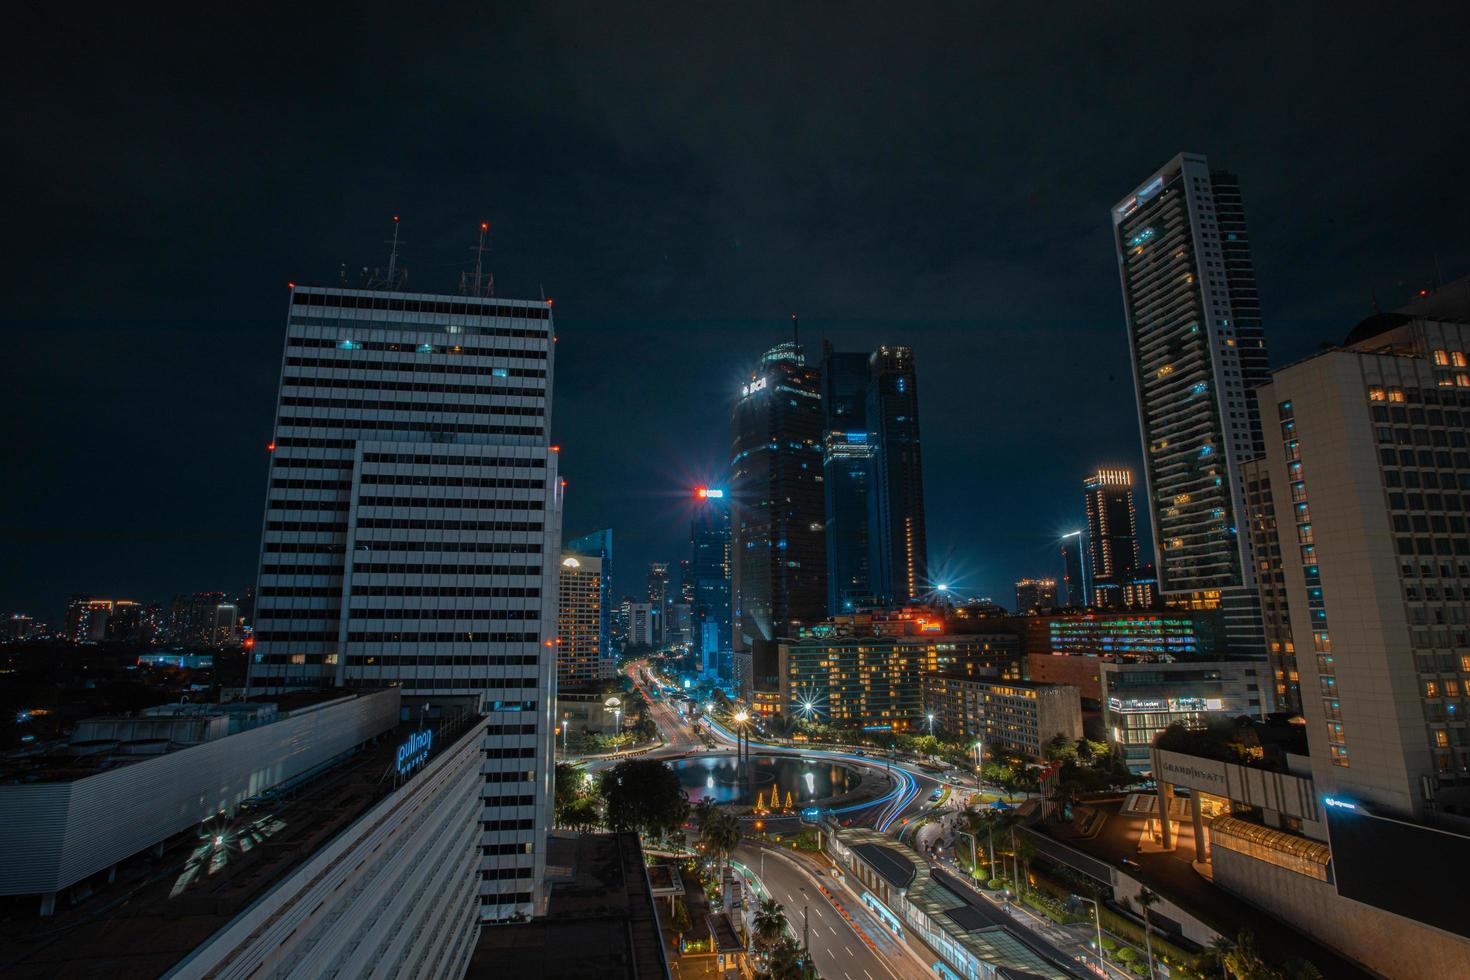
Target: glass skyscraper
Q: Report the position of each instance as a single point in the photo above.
(599, 545)
(1197, 346)
(709, 571)
(779, 563)
(1112, 535)
(877, 545)
(412, 533)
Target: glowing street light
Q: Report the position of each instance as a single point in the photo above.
(931, 723)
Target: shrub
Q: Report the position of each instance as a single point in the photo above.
(995, 883)
(1108, 944)
(1127, 954)
(1139, 969)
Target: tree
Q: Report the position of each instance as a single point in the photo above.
(787, 961)
(568, 789)
(680, 919)
(1025, 851)
(722, 836)
(769, 923)
(1146, 900)
(644, 795)
(704, 811)
(582, 815)
(1220, 949)
(1061, 749)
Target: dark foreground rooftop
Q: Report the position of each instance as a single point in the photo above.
(600, 922)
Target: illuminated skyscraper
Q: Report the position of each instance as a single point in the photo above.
(412, 533)
(659, 598)
(599, 545)
(893, 415)
(1036, 593)
(580, 662)
(709, 572)
(849, 458)
(778, 534)
(1112, 535)
(1197, 345)
(877, 545)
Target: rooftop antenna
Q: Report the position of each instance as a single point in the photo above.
(393, 255)
(483, 283)
(795, 332)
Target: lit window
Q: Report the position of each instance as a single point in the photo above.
(1397, 394)
(1462, 380)
(1441, 358)
(1431, 689)
(1458, 357)
(1375, 394)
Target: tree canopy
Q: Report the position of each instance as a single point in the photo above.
(644, 795)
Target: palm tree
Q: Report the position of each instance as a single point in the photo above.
(1146, 899)
(703, 812)
(1025, 851)
(1220, 949)
(770, 923)
(722, 836)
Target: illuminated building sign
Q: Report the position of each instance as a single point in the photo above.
(414, 752)
(1340, 804)
(757, 385)
(709, 493)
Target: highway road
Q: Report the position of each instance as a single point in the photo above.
(839, 949)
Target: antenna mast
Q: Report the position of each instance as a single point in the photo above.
(483, 283)
(395, 278)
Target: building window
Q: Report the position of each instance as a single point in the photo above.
(1376, 394)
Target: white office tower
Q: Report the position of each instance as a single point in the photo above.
(413, 530)
(1194, 330)
(1370, 477)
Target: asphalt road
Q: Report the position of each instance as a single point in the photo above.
(837, 950)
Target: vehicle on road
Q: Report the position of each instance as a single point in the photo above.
(1130, 863)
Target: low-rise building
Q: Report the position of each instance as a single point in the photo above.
(1020, 717)
(1139, 700)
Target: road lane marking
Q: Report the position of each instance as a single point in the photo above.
(834, 931)
(849, 951)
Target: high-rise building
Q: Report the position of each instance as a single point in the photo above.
(642, 624)
(659, 598)
(877, 551)
(902, 572)
(779, 571)
(1074, 586)
(1112, 535)
(581, 659)
(1197, 347)
(599, 545)
(849, 459)
(1255, 474)
(412, 532)
(709, 570)
(1036, 593)
(1367, 461)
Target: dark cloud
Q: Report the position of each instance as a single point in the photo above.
(680, 178)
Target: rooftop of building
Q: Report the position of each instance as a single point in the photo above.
(160, 909)
(1243, 741)
(100, 743)
(983, 930)
(600, 920)
(957, 675)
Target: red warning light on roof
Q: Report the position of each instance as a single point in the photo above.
(550, 302)
(701, 492)
(556, 449)
(290, 285)
(484, 226)
(395, 217)
(270, 447)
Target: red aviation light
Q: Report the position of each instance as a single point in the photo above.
(556, 449)
(702, 493)
(484, 226)
(290, 285)
(270, 447)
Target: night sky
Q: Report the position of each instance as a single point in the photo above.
(680, 179)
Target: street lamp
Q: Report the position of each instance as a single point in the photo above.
(931, 724)
(1097, 924)
(615, 705)
(979, 761)
(741, 717)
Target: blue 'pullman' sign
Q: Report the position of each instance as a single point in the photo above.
(414, 752)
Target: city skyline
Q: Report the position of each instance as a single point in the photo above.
(906, 266)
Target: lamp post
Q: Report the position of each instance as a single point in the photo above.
(741, 735)
(973, 868)
(1097, 924)
(615, 705)
(979, 761)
